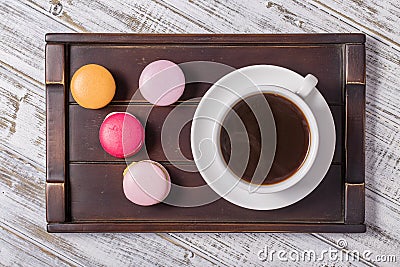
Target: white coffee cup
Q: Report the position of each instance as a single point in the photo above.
(297, 98)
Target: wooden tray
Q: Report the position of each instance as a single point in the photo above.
(84, 184)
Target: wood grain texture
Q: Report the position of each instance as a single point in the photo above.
(24, 250)
(198, 227)
(22, 114)
(206, 39)
(100, 186)
(21, 50)
(55, 131)
(55, 202)
(22, 103)
(355, 209)
(80, 142)
(55, 68)
(355, 57)
(381, 18)
(355, 133)
(127, 62)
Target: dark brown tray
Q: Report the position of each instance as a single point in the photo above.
(84, 184)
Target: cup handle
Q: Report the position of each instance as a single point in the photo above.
(309, 82)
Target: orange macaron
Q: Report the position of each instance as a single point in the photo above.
(92, 86)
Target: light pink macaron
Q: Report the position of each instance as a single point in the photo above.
(146, 183)
(121, 134)
(162, 82)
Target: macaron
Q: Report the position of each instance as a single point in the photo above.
(162, 82)
(146, 183)
(121, 134)
(92, 86)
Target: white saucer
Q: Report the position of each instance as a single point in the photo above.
(205, 155)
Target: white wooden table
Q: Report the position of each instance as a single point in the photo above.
(23, 24)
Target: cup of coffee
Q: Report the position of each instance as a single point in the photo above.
(268, 137)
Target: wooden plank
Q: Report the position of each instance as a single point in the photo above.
(55, 202)
(23, 117)
(91, 149)
(96, 189)
(381, 18)
(55, 132)
(355, 114)
(16, 250)
(354, 203)
(126, 63)
(55, 64)
(150, 227)
(208, 39)
(355, 133)
(355, 59)
(193, 17)
(23, 42)
(56, 119)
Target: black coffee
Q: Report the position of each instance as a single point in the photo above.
(292, 134)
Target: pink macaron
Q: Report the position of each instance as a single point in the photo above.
(162, 82)
(146, 183)
(121, 134)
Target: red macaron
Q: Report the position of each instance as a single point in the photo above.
(121, 134)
